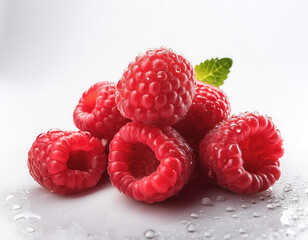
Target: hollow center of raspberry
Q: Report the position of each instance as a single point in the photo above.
(90, 100)
(252, 149)
(77, 161)
(143, 161)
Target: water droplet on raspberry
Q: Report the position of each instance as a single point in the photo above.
(149, 234)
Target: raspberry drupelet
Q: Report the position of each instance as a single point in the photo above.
(66, 162)
(210, 106)
(242, 153)
(156, 88)
(97, 112)
(148, 163)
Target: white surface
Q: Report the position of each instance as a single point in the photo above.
(50, 52)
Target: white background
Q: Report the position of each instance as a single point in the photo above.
(52, 51)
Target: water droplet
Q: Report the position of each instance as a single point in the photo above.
(244, 206)
(194, 215)
(287, 188)
(191, 227)
(177, 69)
(149, 234)
(230, 209)
(26, 215)
(65, 214)
(221, 198)
(271, 206)
(209, 233)
(262, 198)
(253, 201)
(217, 217)
(242, 231)
(30, 229)
(9, 197)
(290, 232)
(306, 191)
(184, 222)
(256, 214)
(295, 199)
(282, 197)
(234, 215)
(206, 202)
(227, 236)
(16, 207)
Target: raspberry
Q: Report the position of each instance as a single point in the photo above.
(97, 112)
(157, 88)
(242, 154)
(148, 163)
(210, 106)
(66, 162)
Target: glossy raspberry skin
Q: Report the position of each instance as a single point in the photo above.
(149, 164)
(157, 88)
(97, 112)
(66, 162)
(242, 154)
(210, 106)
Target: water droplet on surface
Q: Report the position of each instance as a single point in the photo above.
(253, 201)
(242, 231)
(191, 227)
(194, 215)
(234, 215)
(256, 214)
(287, 188)
(65, 214)
(262, 198)
(244, 206)
(26, 215)
(230, 209)
(9, 197)
(295, 199)
(206, 202)
(149, 234)
(227, 236)
(209, 233)
(16, 207)
(30, 229)
(217, 217)
(184, 222)
(221, 198)
(271, 206)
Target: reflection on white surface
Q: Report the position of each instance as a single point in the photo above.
(281, 212)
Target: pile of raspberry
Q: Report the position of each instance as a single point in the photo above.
(152, 131)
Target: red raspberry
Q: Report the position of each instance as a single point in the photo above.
(210, 106)
(242, 154)
(97, 112)
(66, 162)
(148, 163)
(157, 88)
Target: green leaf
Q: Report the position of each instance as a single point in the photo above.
(213, 71)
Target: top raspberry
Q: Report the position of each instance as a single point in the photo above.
(156, 88)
